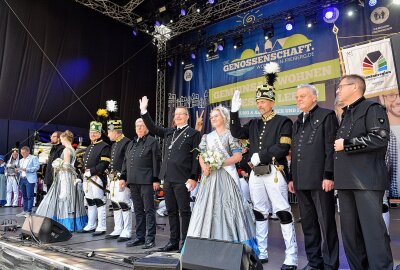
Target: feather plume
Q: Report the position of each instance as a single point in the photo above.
(111, 106)
(270, 72)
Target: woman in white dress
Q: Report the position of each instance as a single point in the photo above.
(220, 211)
(64, 201)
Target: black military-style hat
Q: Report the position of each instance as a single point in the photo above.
(267, 91)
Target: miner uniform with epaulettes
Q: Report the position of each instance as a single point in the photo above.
(270, 140)
(120, 197)
(96, 161)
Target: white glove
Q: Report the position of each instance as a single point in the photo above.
(143, 103)
(255, 159)
(87, 174)
(77, 181)
(236, 101)
(9, 165)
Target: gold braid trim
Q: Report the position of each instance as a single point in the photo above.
(285, 140)
(105, 159)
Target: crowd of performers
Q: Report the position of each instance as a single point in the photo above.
(325, 155)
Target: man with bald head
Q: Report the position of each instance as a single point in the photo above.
(312, 170)
(361, 176)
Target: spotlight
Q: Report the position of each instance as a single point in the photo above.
(135, 31)
(193, 55)
(237, 42)
(221, 44)
(289, 25)
(170, 62)
(311, 20)
(350, 13)
(269, 32)
(183, 11)
(330, 14)
(198, 10)
(183, 62)
(158, 23)
(372, 3)
(212, 49)
(211, 2)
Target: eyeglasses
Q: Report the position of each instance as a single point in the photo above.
(391, 97)
(214, 116)
(341, 86)
(140, 126)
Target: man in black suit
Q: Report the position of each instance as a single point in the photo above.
(361, 176)
(140, 171)
(312, 170)
(55, 152)
(179, 170)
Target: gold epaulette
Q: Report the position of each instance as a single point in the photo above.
(105, 159)
(285, 140)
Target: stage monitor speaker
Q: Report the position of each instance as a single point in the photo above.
(158, 261)
(45, 229)
(201, 254)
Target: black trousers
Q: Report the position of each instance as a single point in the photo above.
(365, 238)
(145, 214)
(317, 211)
(177, 198)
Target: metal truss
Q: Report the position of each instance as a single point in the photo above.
(123, 14)
(211, 14)
(160, 87)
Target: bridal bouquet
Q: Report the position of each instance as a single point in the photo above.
(212, 158)
(57, 163)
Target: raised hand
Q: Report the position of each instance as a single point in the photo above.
(143, 103)
(236, 101)
(199, 121)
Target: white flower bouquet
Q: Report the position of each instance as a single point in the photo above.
(212, 158)
(57, 163)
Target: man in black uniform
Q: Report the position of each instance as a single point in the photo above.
(270, 139)
(120, 196)
(140, 171)
(312, 170)
(96, 160)
(179, 170)
(361, 177)
(55, 152)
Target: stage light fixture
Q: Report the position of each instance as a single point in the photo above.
(211, 49)
(311, 20)
(237, 42)
(198, 10)
(372, 3)
(193, 55)
(183, 10)
(182, 62)
(330, 14)
(289, 25)
(269, 32)
(211, 2)
(221, 44)
(135, 31)
(170, 62)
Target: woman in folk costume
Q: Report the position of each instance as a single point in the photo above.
(220, 211)
(64, 201)
(3, 181)
(12, 178)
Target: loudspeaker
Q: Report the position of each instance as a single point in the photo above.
(159, 261)
(45, 229)
(201, 254)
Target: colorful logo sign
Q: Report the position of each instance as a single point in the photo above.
(374, 63)
(288, 49)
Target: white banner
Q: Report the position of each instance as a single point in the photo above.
(374, 61)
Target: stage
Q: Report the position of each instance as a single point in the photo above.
(83, 251)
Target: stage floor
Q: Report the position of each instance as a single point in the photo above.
(109, 254)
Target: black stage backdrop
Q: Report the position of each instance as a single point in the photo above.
(85, 46)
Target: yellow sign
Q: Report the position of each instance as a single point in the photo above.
(287, 79)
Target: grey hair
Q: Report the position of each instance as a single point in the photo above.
(141, 120)
(310, 87)
(224, 113)
(26, 148)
